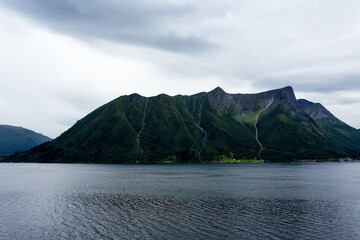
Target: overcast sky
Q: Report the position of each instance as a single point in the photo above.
(59, 60)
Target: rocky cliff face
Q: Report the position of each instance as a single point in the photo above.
(337, 132)
(272, 125)
(317, 111)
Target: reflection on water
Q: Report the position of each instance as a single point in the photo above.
(268, 201)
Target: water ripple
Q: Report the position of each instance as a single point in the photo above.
(160, 202)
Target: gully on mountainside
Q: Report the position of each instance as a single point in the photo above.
(256, 129)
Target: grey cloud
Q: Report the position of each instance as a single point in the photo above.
(245, 46)
(80, 99)
(131, 22)
(66, 120)
(315, 83)
(346, 101)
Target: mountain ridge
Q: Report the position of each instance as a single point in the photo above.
(17, 139)
(273, 125)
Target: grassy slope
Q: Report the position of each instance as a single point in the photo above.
(226, 134)
(285, 137)
(343, 136)
(339, 133)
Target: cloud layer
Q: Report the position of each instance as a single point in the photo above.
(65, 58)
(141, 23)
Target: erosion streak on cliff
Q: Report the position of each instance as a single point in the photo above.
(202, 129)
(256, 129)
(138, 135)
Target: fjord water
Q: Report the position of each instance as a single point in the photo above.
(185, 201)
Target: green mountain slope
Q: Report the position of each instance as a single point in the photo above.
(17, 139)
(338, 132)
(272, 125)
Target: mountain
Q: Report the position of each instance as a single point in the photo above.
(271, 125)
(18, 139)
(337, 131)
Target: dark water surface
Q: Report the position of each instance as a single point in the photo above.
(199, 201)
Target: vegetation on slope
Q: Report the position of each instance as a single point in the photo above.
(198, 128)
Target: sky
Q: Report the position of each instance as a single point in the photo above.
(60, 60)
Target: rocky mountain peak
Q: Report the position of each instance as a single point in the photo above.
(304, 104)
(218, 91)
(282, 94)
(317, 111)
(288, 89)
(287, 92)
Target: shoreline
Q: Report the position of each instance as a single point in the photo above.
(210, 162)
(340, 160)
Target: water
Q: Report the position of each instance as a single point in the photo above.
(199, 201)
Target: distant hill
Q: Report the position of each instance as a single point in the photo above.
(18, 139)
(271, 125)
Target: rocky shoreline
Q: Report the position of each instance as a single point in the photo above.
(328, 160)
